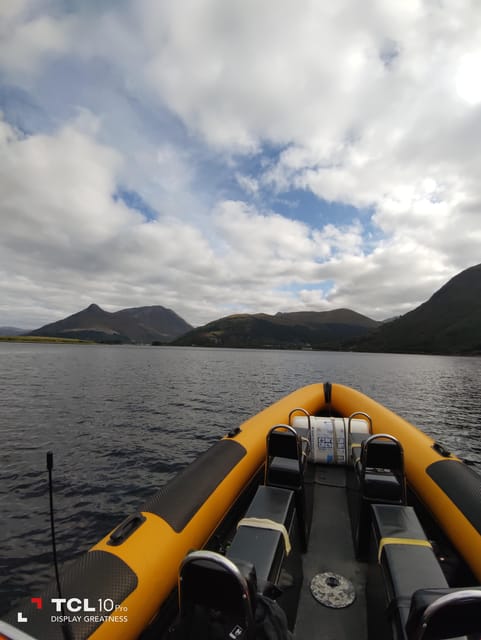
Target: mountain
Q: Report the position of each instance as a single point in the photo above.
(449, 322)
(303, 329)
(137, 325)
(11, 331)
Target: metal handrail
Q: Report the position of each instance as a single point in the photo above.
(450, 598)
(308, 440)
(348, 439)
(358, 413)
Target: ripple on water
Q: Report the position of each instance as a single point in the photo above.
(123, 421)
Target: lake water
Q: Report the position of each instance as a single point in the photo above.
(123, 420)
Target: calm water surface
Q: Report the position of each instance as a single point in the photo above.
(121, 421)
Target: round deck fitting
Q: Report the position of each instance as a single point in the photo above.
(333, 590)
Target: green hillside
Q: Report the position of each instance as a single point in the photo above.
(449, 322)
(137, 325)
(309, 329)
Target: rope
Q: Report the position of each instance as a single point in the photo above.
(411, 541)
(265, 523)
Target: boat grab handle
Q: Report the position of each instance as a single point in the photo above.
(126, 529)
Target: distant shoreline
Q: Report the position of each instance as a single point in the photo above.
(53, 340)
(45, 339)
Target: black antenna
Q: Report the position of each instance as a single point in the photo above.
(65, 628)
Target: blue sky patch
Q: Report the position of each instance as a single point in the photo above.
(134, 201)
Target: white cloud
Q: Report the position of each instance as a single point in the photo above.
(468, 78)
(249, 184)
(27, 38)
(57, 190)
(66, 240)
(63, 229)
(374, 106)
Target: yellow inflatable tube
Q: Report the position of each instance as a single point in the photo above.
(155, 551)
(419, 456)
(139, 570)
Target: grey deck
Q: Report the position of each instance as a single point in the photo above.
(331, 549)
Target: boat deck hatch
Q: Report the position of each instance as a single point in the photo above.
(333, 590)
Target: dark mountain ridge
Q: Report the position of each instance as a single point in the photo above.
(302, 329)
(11, 331)
(448, 323)
(136, 325)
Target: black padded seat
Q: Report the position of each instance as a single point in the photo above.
(382, 453)
(227, 604)
(378, 477)
(286, 459)
(381, 470)
(379, 485)
(406, 558)
(265, 548)
(284, 471)
(279, 570)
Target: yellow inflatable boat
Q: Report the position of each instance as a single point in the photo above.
(325, 513)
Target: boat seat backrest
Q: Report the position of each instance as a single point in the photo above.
(382, 470)
(283, 442)
(444, 613)
(216, 596)
(382, 452)
(379, 478)
(284, 462)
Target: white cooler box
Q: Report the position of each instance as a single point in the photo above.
(329, 437)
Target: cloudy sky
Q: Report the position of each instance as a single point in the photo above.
(222, 156)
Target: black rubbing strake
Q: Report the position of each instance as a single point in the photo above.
(462, 485)
(95, 575)
(183, 496)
